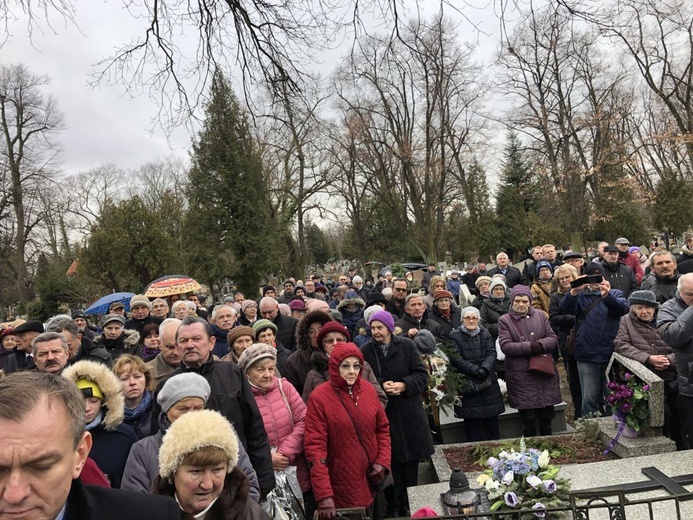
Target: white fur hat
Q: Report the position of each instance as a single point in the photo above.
(193, 431)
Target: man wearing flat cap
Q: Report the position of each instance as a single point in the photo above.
(619, 275)
(22, 358)
(629, 259)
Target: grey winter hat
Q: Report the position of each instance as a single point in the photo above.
(183, 386)
(622, 241)
(643, 297)
(425, 341)
(110, 318)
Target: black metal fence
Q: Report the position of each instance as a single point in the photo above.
(603, 504)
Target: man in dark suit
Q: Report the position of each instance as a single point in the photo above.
(22, 359)
(44, 450)
(513, 276)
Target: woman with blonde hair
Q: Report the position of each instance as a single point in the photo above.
(562, 324)
(138, 386)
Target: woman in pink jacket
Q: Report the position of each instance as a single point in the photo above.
(283, 413)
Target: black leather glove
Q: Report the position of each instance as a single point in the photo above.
(376, 474)
(536, 348)
(480, 375)
(326, 509)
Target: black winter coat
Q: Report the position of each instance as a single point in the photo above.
(101, 503)
(110, 450)
(491, 311)
(90, 352)
(18, 361)
(408, 322)
(477, 352)
(409, 432)
(139, 325)
(446, 327)
(620, 277)
(664, 288)
(233, 397)
(286, 331)
(560, 323)
(513, 276)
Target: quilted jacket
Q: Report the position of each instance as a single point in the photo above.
(639, 340)
(474, 352)
(491, 310)
(527, 391)
(337, 459)
(284, 415)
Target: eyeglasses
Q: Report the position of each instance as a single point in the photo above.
(346, 367)
(471, 318)
(399, 289)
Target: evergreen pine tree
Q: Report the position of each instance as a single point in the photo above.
(228, 228)
(517, 199)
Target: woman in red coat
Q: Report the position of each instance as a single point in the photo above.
(347, 436)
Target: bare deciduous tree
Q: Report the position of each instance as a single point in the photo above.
(28, 122)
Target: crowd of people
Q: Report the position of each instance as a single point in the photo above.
(206, 412)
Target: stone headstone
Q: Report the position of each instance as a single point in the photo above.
(644, 374)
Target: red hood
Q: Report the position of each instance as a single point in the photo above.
(340, 352)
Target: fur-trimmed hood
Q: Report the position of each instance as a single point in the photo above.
(106, 380)
(355, 299)
(302, 340)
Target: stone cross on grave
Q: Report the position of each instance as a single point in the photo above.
(657, 480)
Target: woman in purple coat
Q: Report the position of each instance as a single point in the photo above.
(525, 332)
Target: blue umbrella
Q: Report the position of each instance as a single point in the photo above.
(101, 305)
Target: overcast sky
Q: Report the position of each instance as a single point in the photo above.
(105, 125)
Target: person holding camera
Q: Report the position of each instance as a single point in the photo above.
(597, 309)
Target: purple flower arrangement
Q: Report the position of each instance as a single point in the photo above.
(525, 482)
(629, 401)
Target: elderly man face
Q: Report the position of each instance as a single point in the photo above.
(167, 337)
(194, 344)
(310, 286)
(51, 356)
(269, 308)
(225, 318)
(25, 339)
(416, 307)
(664, 266)
(140, 312)
(81, 323)
(73, 343)
(113, 330)
(159, 309)
(502, 260)
(611, 257)
(686, 289)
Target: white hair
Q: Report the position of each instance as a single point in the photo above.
(169, 323)
(219, 307)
